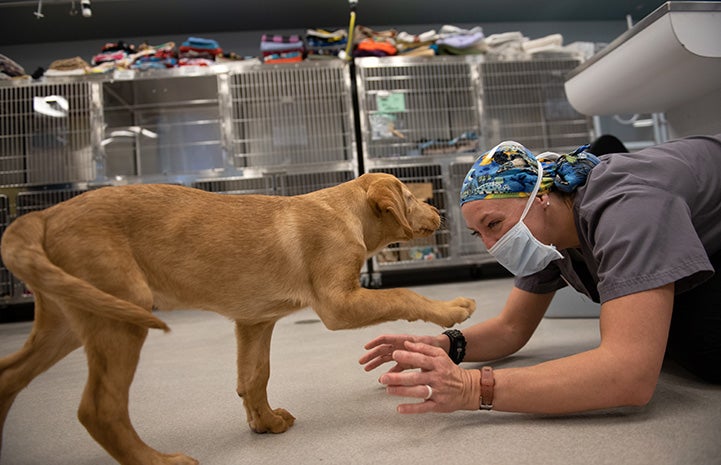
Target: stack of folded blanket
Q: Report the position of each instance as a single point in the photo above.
(369, 42)
(506, 46)
(514, 46)
(114, 53)
(197, 51)
(155, 57)
(423, 44)
(453, 40)
(323, 44)
(282, 49)
(552, 43)
(74, 66)
(121, 55)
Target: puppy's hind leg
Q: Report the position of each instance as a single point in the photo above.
(51, 339)
(253, 374)
(113, 351)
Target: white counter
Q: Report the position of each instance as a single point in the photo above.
(669, 62)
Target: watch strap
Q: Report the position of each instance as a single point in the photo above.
(487, 384)
(457, 349)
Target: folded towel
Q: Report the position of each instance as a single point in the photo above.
(279, 39)
(462, 41)
(280, 46)
(199, 42)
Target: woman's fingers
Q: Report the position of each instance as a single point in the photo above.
(373, 355)
(386, 339)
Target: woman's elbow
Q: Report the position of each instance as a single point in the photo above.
(637, 389)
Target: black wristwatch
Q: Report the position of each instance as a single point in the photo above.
(457, 350)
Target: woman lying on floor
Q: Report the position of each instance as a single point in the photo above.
(640, 233)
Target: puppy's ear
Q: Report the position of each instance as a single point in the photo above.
(387, 198)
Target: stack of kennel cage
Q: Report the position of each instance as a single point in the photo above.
(239, 128)
(418, 118)
(245, 127)
(426, 120)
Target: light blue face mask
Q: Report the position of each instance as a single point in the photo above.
(518, 250)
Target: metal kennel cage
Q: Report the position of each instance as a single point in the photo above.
(526, 101)
(46, 133)
(290, 115)
(164, 126)
(418, 107)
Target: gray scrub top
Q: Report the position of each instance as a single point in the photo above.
(644, 219)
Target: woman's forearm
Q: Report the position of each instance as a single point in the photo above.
(590, 380)
(622, 371)
(492, 340)
(508, 332)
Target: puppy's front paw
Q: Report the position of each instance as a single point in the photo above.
(457, 310)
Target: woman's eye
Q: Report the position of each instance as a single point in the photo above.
(475, 233)
(493, 224)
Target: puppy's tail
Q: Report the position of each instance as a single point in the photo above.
(24, 255)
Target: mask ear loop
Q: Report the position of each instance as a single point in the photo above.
(534, 192)
(505, 142)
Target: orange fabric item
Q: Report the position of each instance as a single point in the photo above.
(370, 45)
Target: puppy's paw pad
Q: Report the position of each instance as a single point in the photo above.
(458, 310)
(468, 304)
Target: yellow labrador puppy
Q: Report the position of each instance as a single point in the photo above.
(99, 263)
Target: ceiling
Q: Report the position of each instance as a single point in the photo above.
(117, 19)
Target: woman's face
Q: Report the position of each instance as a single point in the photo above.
(490, 219)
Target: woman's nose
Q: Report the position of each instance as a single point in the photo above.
(487, 241)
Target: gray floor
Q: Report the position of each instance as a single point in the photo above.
(183, 399)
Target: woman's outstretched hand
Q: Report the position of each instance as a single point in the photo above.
(425, 371)
(380, 350)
